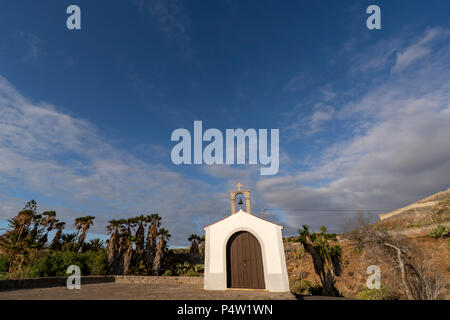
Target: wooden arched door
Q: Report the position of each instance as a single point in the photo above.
(244, 262)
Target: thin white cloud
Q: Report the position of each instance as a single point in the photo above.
(297, 83)
(421, 48)
(55, 156)
(308, 125)
(321, 114)
(400, 151)
(33, 46)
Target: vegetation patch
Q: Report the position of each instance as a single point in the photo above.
(326, 256)
(55, 263)
(192, 273)
(27, 251)
(440, 232)
(376, 294)
(303, 287)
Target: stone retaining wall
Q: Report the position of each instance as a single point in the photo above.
(415, 207)
(50, 282)
(62, 281)
(161, 279)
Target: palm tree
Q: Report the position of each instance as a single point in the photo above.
(95, 244)
(164, 236)
(17, 241)
(127, 244)
(201, 246)
(326, 257)
(140, 234)
(155, 221)
(68, 241)
(23, 221)
(193, 238)
(83, 224)
(122, 245)
(56, 239)
(11, 243)
(48, 222)
(37, 220)
(27, 215)
(113, 249)
(79, 224)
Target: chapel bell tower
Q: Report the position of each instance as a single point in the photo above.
(246, 195)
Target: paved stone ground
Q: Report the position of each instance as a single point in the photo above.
(140, 291)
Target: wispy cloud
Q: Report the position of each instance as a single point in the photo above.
(310, 116)
(297, 83)
(308, 125)
(33, 46)
(419, 49)
(65, 160)
(399, 152)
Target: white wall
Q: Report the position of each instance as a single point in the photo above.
(270, 239)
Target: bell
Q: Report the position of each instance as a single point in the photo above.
(240, 202)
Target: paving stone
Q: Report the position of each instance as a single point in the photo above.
(140, 291)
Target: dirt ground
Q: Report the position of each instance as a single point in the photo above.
(354, 275)
(140, 291)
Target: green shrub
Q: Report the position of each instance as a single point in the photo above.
(67, 258)
(53, 264)
(168, 273)
(440, 232)
(46, 266)
(182, 268)
(304, 287)
(299, 253)
(192, 273)
(4, 264)
(96, 262)
(376, 294)
(199, 267)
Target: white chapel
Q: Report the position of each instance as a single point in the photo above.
(244, 251)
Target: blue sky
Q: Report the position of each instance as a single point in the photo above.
(86, 116)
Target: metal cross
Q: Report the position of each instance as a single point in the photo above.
(239, 185)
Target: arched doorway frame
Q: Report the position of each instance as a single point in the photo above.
(263, 250)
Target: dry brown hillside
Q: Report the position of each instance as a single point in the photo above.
(413, 223)
(420, 217)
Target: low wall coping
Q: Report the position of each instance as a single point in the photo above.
(48, 282)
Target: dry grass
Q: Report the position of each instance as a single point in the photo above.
(355, 261)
